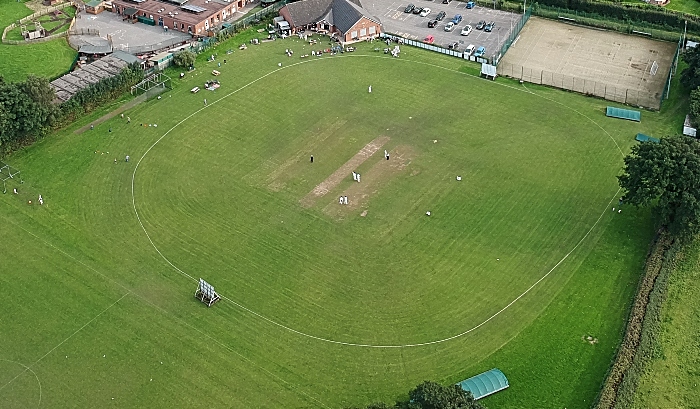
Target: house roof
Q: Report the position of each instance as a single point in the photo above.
(161, 57)
(308, 11)
(346, 14)
(343, 14)
(126, 57)
(69, 84)
(93, 3)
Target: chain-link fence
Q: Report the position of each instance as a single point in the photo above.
(143, 49)
(639, 28)
(672, 69)
(514, 33)
(599, 89)
(430, 47)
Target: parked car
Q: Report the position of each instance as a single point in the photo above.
(453, 45)
(417, 10)
(480, 25)
(440, 16)
(470, 4)
(490, 26)
(449, 26)
(457, 19)
(446, 1)
(470, 49)
(409, 8)
(429, 39)
(425, 12)
(432, 24)
(466, 30)
(480, 51)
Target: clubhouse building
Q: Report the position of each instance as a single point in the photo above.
(195, 17)
(346, 19)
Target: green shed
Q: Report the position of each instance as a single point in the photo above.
(623, 114)
(645, 138)
(485, 384)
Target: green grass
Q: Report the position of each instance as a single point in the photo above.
(47, 59)
(685, 6)
(221, 197)
(671, 378)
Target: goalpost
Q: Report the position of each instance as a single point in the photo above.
(155, 80)
(654, 68)
(8, 172)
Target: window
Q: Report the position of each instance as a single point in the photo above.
(353, 34)
(372, 30)
(363, 32)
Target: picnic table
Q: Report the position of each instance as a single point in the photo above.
(194, 90)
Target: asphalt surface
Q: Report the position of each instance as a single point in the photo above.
(395, 21)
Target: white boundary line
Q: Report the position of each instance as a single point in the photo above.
(353, 344)
(26, 368)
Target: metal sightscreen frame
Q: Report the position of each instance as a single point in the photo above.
(206, 293)
(8, 172)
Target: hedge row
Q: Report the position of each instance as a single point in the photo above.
(631, 12)
(609, 24)
(650, 329)
(658, 260)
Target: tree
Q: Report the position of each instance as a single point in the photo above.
(431, 395)
(667, 175)
(184, 58)
(690, 77)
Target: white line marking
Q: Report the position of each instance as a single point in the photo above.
(28, 368)
(166, 312)
(354, 344)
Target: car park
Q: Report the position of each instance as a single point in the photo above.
(470, 49)
(470, 4)
(424, 12)
(441, 15)
(480, 52)
(457, 19)
(480, 25)
(449, 26)
(432, 24)
(490, 26)
(466, 30)
(417, 10)
(409, 8)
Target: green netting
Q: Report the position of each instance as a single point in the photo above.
(624, 114)
(485, 384)
(646, 138)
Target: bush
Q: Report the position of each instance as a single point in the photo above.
(695, 107)
(184, 59)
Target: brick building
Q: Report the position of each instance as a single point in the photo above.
(344, 18)
(195, 17)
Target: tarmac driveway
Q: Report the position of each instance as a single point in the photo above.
(409, 25)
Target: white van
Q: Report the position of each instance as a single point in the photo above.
(470, 49)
